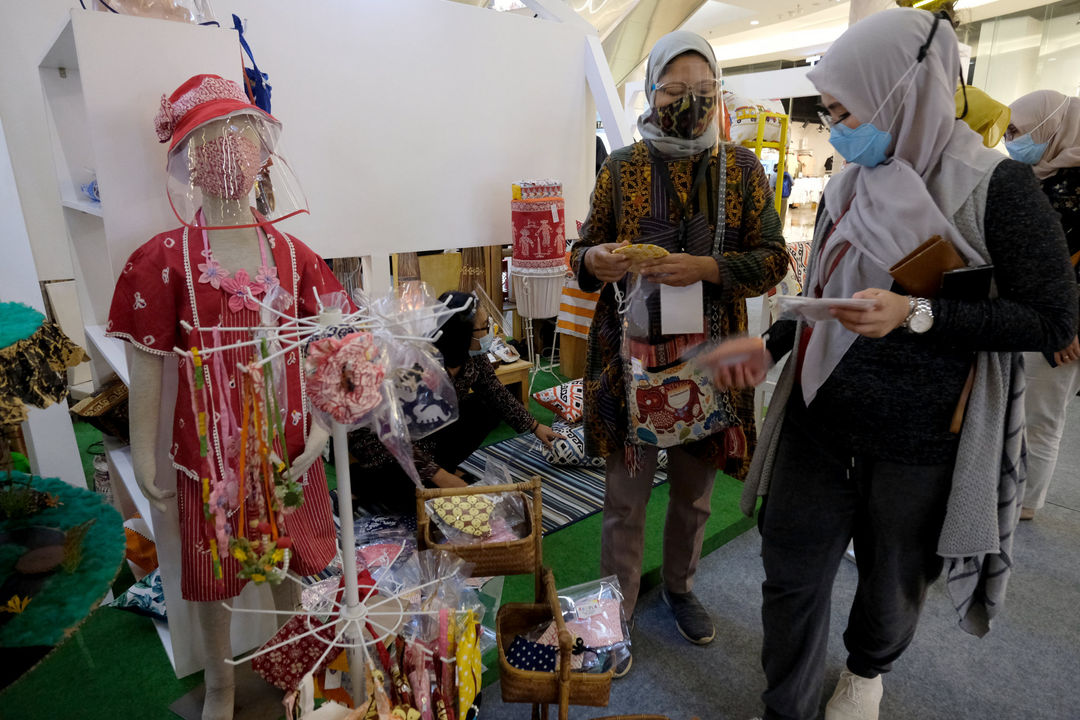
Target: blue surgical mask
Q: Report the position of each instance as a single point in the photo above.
(864, 145)
(485, 344)
(1024, 149)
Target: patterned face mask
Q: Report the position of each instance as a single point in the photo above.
(687, 117)
(226, 166)
(468, 513)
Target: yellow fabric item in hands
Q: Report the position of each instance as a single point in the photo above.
(985, 115)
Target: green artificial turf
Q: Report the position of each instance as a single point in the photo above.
(85, 436)
(573, 552)
(113, 667)
(543, 381)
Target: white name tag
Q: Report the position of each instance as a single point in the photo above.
(682, 309)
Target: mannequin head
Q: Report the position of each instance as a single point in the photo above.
(224, 157)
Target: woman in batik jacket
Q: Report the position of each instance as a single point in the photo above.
(668, 190)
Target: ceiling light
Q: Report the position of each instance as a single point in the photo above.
(1050, 59)
(755, 22)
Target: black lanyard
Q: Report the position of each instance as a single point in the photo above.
(701, 168)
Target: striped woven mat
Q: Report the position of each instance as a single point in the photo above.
(569, 493)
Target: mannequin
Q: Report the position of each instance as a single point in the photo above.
(160, 287)
(235, 249)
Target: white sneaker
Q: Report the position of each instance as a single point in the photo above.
(855, 698)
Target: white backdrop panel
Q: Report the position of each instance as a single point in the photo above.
(407, 120)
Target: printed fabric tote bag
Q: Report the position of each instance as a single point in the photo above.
(670, 400)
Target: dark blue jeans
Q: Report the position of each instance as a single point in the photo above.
(820, 497)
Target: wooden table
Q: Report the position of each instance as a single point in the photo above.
(516, 372)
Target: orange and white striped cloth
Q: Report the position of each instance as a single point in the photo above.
(576, 310)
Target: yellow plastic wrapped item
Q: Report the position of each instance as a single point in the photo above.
(985, 115)
(469, 670)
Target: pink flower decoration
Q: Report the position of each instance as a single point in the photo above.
(267, 276)
(212, 273)
(242, 292)
(345, 376)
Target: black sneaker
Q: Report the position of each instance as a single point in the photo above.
(691, 618)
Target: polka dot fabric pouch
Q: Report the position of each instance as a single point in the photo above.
(527, 655)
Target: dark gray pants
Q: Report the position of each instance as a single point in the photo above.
(819, 499)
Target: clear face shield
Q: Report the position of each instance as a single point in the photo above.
(228, 173)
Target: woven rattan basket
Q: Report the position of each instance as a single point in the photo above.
(515, 557)
(562, 687)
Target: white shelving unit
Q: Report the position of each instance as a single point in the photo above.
(50, 439)
(127, 493)
(84, 206)
(100, 118)
(109, 349)
(121, 468)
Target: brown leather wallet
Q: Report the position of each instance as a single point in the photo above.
(920, 271)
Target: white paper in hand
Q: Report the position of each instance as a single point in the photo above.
(682, 309)
(817, 309)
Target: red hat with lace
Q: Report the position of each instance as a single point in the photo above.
(199, 100)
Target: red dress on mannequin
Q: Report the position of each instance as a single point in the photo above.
(159, 287)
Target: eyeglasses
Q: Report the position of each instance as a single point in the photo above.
(677, 89)
(827, 120)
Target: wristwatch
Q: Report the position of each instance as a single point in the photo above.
(920, 315)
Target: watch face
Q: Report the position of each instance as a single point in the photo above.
(921, 322)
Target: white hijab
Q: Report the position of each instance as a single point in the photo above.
(664, 51)
(936, 161)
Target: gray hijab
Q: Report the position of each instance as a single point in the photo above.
(936, 161)
(667, 49)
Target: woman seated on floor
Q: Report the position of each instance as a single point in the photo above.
(483, 402)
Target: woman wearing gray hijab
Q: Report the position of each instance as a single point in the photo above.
(666, 190)
(899, 426)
